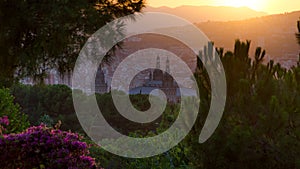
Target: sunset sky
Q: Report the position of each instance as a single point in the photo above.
(269, 6)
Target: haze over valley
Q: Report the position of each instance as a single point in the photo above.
(223, 25)
(196, 14)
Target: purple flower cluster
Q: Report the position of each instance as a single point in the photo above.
(4, 120)
(41, 146)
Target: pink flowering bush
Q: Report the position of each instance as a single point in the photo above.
(42, 147)
(3, 123)
(4, 120)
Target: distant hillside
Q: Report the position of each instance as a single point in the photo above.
(197, 14)
(275, 33)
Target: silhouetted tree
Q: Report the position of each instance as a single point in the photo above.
(37, 36)
(298, 34)
(261, 117)
(298, 38)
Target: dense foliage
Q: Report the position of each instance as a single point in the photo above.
(261, 123)
(40, 101)
(42, 147)
(49, 104)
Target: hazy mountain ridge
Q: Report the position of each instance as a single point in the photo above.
(274, 33)
(208, 13)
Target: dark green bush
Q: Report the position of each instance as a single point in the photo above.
(52, 100)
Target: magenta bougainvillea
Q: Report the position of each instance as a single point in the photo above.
(42, 147)
(3, 123)
(4, 120)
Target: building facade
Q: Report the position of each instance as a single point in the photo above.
(159, 79)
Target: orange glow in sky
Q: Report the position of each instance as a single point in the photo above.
(269, 6)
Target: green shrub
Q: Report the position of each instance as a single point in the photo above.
(52, 100)
(17, 121)
(46, 120)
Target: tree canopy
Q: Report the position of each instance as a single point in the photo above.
(36, 36)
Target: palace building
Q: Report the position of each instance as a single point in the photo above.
(159, 79)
